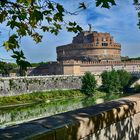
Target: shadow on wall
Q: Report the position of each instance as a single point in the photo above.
(115, 120)
(125, 125)
(39, 70)
(111, 124)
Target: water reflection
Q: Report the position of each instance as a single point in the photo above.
(15, 115)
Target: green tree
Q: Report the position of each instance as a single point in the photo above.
(137, 88)
(5, 68)
(38, 64)
(110, 81)
(124, 78)
(115, 81)
(21, 62)
(88, 83)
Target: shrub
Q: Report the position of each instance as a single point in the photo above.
(124, 78)
(115, 81)
(137, 88)
(88, 83)
(110, 81)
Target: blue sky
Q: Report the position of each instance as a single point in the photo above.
(120, 21)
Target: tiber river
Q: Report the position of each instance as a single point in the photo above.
(15, 115)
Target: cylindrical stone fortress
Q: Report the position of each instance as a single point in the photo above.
(90, 46)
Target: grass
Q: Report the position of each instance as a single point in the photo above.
(54, 96)
(40, 97)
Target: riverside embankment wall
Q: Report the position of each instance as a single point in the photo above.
(19, 85)
(11, 86)
(115, 120)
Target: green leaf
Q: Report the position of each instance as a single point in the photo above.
(60, 8)
(13, 24)
(46, 12)
(73, 27)
(14, 17)
(21, 62)
(23, 29)
(58, 17)
(54, 30)
(37, 38)
(72, 23)
(49, 19)
(35, 17)
(22, 15)
(11, 12)
(6, 44)
(3, 15)
(50, 6)
(82, 5)
(45, 28)
(79, 28)
(2, 3)
(136, 2)
(11, 43)
(105, 3)
(58, 26)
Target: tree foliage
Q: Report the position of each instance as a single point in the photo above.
(115, 81)
(21, 62)
(5, 68)
(27, 17)
(124, 78)
(137, 88)
(88, 83)
(110, 81)
(105, 3)
(38, 64)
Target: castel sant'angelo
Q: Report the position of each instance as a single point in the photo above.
(89, 51)
(90, 46)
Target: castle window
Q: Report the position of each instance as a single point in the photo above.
(110, 41)
(97, 42)
(103, 39)
(104, 44)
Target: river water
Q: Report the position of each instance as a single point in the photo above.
(15, 115)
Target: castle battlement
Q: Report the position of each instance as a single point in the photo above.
(134, 62)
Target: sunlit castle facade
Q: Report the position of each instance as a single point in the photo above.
(90, 46)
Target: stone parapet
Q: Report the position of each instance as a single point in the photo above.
(11, 86)
(134, 62)
(112, 62)
(111, 120)
(86, 46)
